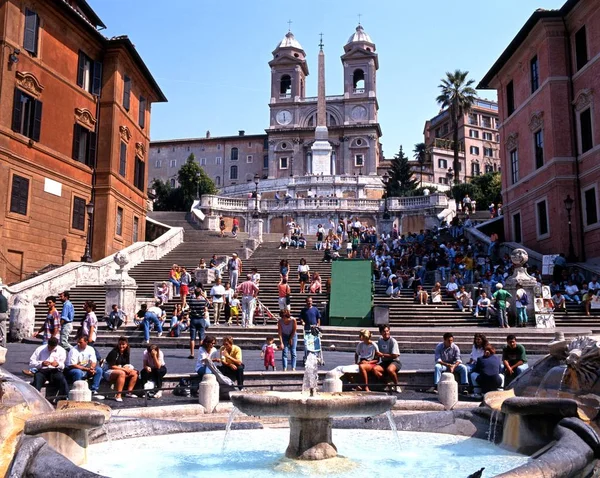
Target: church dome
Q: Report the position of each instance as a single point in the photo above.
(289, 41)
(360, 35)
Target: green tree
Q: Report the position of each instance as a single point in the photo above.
(193, 182)
(420, 154)
(167, 197)
(401, 182)
(484, 189)
(458, 95)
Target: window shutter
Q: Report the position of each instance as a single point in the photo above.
(123, 159)
(80, 69)
(78, 221)
(97, 81)
(37, 121)
(19, 195)
(76, 138)
(126, 92)
(140, 174)
(17, 112)
(31, 32)
(142, 114)
(91, 152)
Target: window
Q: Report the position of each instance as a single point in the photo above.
(249, 158)
(489, 168)
(126, 92)
(234, 154)
(438, 133)
(496, 124)
(218, 180)
(359, 160)
(84, 146)
(488, 152)
(172, 183)
(142, 114)
(266, 143)
(218, 146)
(78, 220)
(158, 164)
(534, 72)
(89, 74)
(285, 88)
(585, 130)
(249, 144)
(538, 138)
(136, 227)
(516, 220)
(218, 159)
(488, 136)
(32, 32)
(442, 180)
(475, 171)
(119, 225)
(27, 115)
(474, 150)
(542, 218)
(123, 159)
(442, 163)
(233, 172)
(581, 53)
(202, 161)
(19, 195)
(266, 161)
(514, 166)
(510, 98)
(473, 133)
(486, 121)
(473, 119)
(590, 207)
(173, 163)
(358, 81)
(283, 163)
(139, 174)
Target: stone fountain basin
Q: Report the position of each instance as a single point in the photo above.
(322, 405)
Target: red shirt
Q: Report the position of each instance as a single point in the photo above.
(247, 288)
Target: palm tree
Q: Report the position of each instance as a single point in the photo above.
(458, 95)
(420, 155)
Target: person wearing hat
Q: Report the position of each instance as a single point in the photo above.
(501, 296)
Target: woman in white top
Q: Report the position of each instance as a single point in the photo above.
(436, 294)
(154, 368)
(303, 274)
(366, 356)
(479, 343)
(89, 325)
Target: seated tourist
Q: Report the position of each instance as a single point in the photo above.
(463, 300)
(206, 352)
(118, 369)
(48, 361)
(394, 286)
(560, 302)
(81, 364)
(571, 292)
(315, 284)
(389, 357)
(484, 305)
(452, 288)
(514, 359)
(479, 343)
(366, 356)
(231, 361)
(284, 242)
(487, 371)
(162, 292)
(436, 294)
(302, 241)
(447, 359)
(116, 318)
(421, 295)
(153, 369)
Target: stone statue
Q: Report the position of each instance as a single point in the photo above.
(519, 257)
(583, 363)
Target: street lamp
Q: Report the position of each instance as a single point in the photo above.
(568, 206)
(87, 256)
(256, 181)
(386, 181)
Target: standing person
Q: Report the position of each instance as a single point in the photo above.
(235, 226)
(227, 297)
(366, 356)
(560, 264)
(303, 274)
(150, 316)
(217, 294)
(184, 286)
(288, 338)
(268, 353)
(222, 226)
(521, 303)
(89, 326)
(120, 371)
(51, 326)
(48, 361)
(447, 359)
(284, 269)
(310, 315)
(3, 317)
(501, 296)
(389, 357)
(82, 364)
(153, 368)
(67, 316)
(234, 267)
(232, 365)
(249, 291)
(514, 359)
(197, 321)
(284, 293)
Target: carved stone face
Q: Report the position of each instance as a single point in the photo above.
(519, 257)
(121, 258)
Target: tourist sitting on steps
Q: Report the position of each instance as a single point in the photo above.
(284, 242)
(206, 352)
(48, 361)
(231, 361)
(421, 295)
(479, 343)
(463, 300)
(81, 364)
(366, 356)
(118, 369)
(116, 318)
(153, 370)
(486, 373)
(514, 359)
(484, 305)
(447, 359)
(389, 358)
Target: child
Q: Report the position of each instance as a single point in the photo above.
(234, 308)
(268, 353)
(162, 292)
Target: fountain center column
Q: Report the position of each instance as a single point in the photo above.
(310, 439)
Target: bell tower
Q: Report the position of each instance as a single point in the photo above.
(360, 66)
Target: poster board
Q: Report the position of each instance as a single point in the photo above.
(548, 264)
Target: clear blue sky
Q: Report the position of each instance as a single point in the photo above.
(210, 57)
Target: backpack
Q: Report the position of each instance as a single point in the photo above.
(524, 299)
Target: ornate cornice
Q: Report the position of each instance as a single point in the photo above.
(125, 133)
(140, 150)
(512, 141)
(583, 99)
(537, 121)
(28, 82)
(85, 118)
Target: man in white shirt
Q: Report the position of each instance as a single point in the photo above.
(463, 300)
(594, 285)
(81, 365)
(49, 362)
(484, 305)
(452, 288)
(571, 291)
(217, 294)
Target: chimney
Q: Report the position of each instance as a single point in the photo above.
(207, 133)
(242, 132)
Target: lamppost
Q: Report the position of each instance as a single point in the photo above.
(569, 206)
(87, 256)
(386, 181)
(256, 181)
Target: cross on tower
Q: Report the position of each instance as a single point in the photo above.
(359, 15)
(321, 42)
(289, 25)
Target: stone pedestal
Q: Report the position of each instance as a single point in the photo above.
(206, 276)
(121, 288)
(22, 318)
(210, 223)
(332, 383)
(520, 276)
(385, 225)
(208, 393)
(448, 391)
(310, 439)
(255, 229)
(80, 392)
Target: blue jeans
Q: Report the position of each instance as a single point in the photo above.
(502, 318)
(150, 317)
(291, 348)
(75, 374)
(522, 315)
(460, 368)
(176, 285)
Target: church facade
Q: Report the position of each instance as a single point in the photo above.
(351, 119)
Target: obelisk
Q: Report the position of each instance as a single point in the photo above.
(321, 149)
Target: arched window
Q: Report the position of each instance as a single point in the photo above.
(285, 88)
(332, 121)
(233, 172)
(358, 81)
(234, 154)
(218, 180)
(172, 183)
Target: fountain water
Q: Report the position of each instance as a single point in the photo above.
(234, 413)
